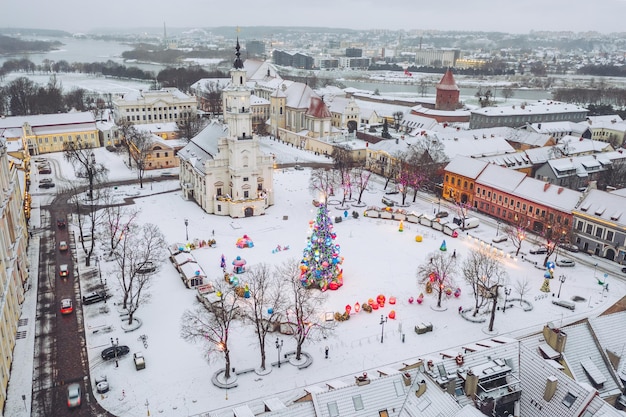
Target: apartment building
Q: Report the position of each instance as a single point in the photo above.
(13, 264)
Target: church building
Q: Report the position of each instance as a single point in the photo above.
(222, 168)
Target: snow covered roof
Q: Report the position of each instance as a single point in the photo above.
(551, 128)
(549, 195)
(47, 120)
(433, 112)
(503, 179)
(607, 207)
(539, 107)
(203, 146)
(157, 127)
(467, 167)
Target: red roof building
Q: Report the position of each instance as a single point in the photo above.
(447, 93)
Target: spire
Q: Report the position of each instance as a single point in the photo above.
(238, 64)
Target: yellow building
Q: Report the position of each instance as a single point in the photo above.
(13, 264)
(49, 132)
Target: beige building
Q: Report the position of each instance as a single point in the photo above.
(222, 168)
(159, 106)
(13, 264)
(50, 132)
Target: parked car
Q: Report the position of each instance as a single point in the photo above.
(64, 270)
(500, 239)
(569, 247)
(45, 180)
(146, 267)
(565, 263)
(441, 214)
(45, 170)
(298, 168)
(66, 306)
(46, 185)
(73, 395)
(63, 246)
(94, 297)
(624, 270)
(114, 352)
(541, 250)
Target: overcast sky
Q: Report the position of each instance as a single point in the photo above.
(514, 16)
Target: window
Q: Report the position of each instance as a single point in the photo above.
(569, 399)
(245, 194)
(358, 402)
(599, 232)
(609, 235)
(245, 179)
(219, 207)
(579, 225)
(333, 410)
(589, 229)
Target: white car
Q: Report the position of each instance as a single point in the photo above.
(565, 263)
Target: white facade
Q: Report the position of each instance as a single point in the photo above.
(162, 106)
(223, 168)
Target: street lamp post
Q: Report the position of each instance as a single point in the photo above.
(186, 230)
(279, 347)
(383, 320)
(507, 292)
(562, 279)
(498, 229)
(115, 343)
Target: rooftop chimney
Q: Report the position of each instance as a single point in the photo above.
(471, 384)
(550, 390)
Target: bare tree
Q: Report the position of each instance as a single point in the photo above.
(117, 218)
(438, 274)
(82, 158)
(422, 87)
(507, 93)
(266, 304)
(304, 308)
(139, 254)
(140, 149)
(323, 182)
(522, 286)
(397, 118)
(210, 324)
(88, 218)
(516, 235)
(486, 275)
(127, 130)
(189, 128)
(360, 179)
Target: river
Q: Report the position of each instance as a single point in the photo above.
(91, 50)
(83, 50)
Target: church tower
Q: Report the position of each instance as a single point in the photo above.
(236, 100)
(447, 93)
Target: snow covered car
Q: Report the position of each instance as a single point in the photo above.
(541, 250)
(563, 263)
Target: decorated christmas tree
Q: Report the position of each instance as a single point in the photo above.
(320, 266)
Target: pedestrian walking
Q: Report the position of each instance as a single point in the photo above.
(326, 351)
(454, 254)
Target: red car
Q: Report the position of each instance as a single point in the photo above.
(66, 306)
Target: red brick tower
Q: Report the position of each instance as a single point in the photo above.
(447, 93)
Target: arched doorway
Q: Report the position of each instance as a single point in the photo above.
(610, 254)
(352, 125)
(248, 211)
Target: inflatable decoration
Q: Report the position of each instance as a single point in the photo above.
(239, 265)
(244, 242)
(392, 314)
